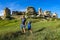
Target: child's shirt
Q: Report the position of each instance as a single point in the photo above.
(29, 24)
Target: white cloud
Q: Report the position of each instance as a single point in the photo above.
(22, 10)
(1, 13)
(14, 6)
(56, 9)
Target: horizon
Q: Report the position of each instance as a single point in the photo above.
(21, 5)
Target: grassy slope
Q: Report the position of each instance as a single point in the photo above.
(42, 30)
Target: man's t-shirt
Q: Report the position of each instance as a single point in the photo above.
(23, 21)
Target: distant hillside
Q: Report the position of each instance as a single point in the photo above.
(42, 30)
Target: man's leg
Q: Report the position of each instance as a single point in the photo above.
(24, 28)
(21, 27)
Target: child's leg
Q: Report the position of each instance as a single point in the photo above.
(30, 31)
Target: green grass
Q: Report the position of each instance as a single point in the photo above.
(42, 30)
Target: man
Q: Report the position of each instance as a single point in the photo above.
(23, 24)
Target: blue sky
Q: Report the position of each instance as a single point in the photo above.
(21, 5)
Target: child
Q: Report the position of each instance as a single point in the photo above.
(29, 26)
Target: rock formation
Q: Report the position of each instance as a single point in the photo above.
(7, 13)
(0, 18)
(31, 11)
(17, 13)
(54, 15)
(40, 11)
(47, 13)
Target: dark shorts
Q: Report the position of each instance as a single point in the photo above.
(29, 27)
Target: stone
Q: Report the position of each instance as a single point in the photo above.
(7, 13)
(0, 18)
(30, 11)
(47, 13)
(16, 13)
(54, 15)
(40, 11)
